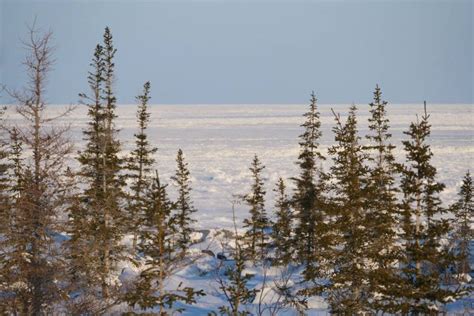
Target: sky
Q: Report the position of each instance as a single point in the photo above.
(259, 51)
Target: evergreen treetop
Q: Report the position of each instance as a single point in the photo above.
(382, 249)
(348, 292)
(258, 222)
(423, 262)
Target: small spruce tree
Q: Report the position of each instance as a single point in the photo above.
(282, 227)
(257, 224)
(234, 283)
(162, 259)
(184, 205)
(463, 211)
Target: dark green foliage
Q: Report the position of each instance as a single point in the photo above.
(348, 293)
(184, 207)
(282, 228)
(383, 207)
(256, 236)
(423, 261)
(161, 256)
(463, 231)
(140, 165)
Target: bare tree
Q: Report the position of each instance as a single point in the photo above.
(278, 294)
(33, 255)
(233, 281)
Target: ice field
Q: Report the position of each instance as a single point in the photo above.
(219, 142)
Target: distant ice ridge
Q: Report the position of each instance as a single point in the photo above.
(219, 142)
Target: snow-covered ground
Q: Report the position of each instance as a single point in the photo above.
(219, 142)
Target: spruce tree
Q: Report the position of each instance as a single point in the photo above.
(234, 283)
(311, 238)
(139, 165)
(112, 221)
(100, 169)
(162, 258)
(463, 233)
(282, 228)
(184, 205)
(423, 261)
(383, 209)
(83, 248)
(257, 224)
(235, 288)
(347, 293)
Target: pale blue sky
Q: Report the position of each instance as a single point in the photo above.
(229, 51)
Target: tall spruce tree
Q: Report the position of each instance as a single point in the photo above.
(383, 207)
(140, 165)
(256, 235)
(348, 292)
(82, 248)
(282, 227)
(463, 211)
(112, 220)
(162, 257)
(423, 261)
(100, 169)
(184, 205)
(311, 238)
(31, 253)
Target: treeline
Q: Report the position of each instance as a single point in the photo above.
(369, 234)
